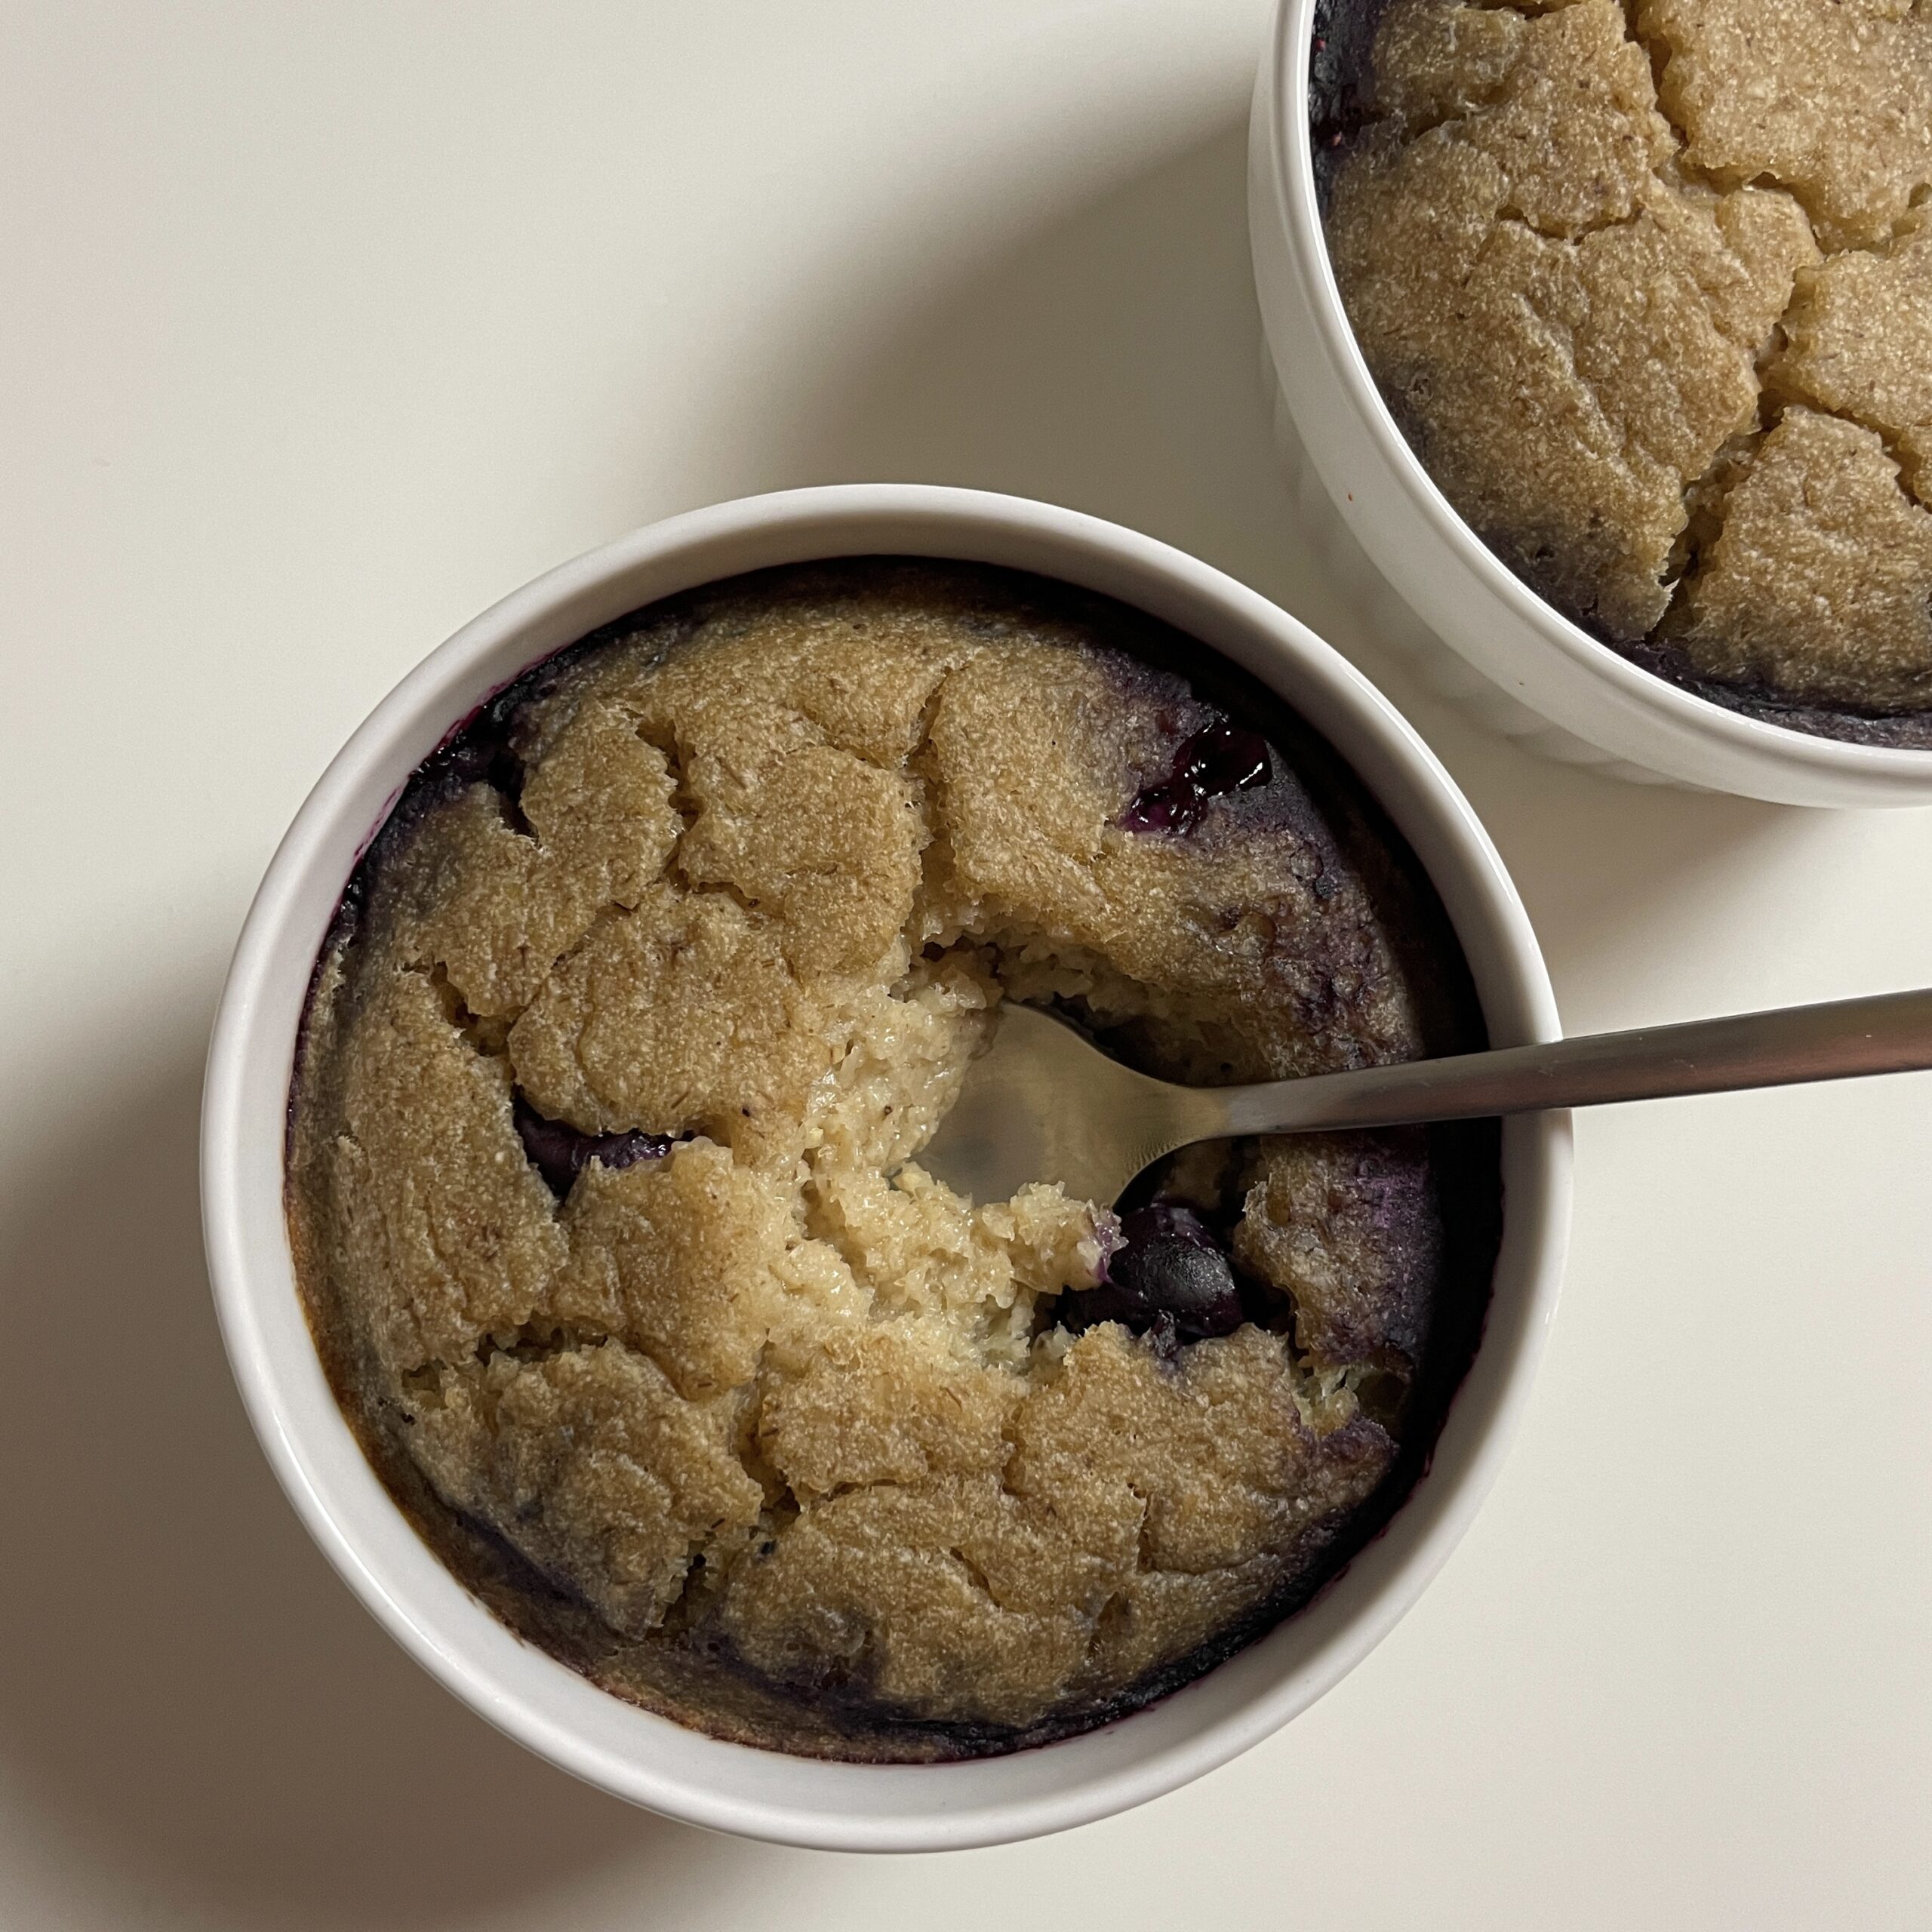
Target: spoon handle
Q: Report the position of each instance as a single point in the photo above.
(1885, 1033)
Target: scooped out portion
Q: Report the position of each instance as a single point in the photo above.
(1648, 288)
(604, 1177)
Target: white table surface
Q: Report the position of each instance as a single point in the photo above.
(326, 325)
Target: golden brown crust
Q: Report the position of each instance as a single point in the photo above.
(758, 1424)
(1588, 297)
(680, 1014)
(1832, 98)
(1343, 1224)
(1820, 576)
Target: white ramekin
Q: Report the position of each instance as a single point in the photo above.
(1497, 647)
(626, 1750)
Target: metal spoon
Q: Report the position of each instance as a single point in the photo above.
(1042, 1104)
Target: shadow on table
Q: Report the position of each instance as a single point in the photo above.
(181, 1679)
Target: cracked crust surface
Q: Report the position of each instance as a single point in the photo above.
(1597, 255)
(764, 1428)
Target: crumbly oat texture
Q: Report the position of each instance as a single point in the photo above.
(605, 1190)
(1648, 287)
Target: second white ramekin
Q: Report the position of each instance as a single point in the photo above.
(1489, 641)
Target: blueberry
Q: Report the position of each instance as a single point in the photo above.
(1157, 809)
(1224, 758)
(1215, 761)
(560, 1153)
(1172, 1278)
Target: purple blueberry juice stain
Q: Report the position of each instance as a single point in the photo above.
(560, 1153)
(483, 756)
(1217, 761)
(1171, 1278)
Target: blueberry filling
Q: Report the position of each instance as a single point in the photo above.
(482, 753)
(560, 1153)
(482, 756)
(1172, 1278)
(1221, 759)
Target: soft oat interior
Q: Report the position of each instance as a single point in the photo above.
(1649, 286)
(760, 874)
